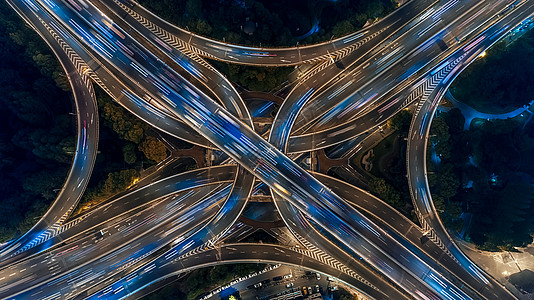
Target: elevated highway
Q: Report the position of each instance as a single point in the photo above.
(162, 94)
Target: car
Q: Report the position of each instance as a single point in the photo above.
(317, 288)
(258, 285)
(330, 278)
(288, 276)
(318, 276)
(277, 278)
(99, 236)
(289, 285)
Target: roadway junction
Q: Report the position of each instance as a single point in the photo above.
(169, 223)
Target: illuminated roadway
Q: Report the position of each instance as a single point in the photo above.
(177, 97)
(83, 162)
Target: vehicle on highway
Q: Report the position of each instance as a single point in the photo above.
(99, 236)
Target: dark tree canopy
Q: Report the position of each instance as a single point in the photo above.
(487, 174)
(272, 24)
(494, 83)
(36, 132)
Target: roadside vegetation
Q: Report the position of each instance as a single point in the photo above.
(273, 23)
(37, 134)
(262, 79)
(485, 171)
(268, 24)
(126, 145)
(389, 181)
(502, 80)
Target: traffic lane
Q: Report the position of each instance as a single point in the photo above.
(403, 43)
(279, 137)
(241, 253)
(310, 84)
(112, 257)
(378, 113)
(85, 250)
(469, 24)
(195, 110)
(347, 96)
(131, 201)
(355, 267)
(363, 235)
(418, 241)
(201, 74)
(272, 56)
(141, 106)
(86, 146)
(209, 233)
(417, 179)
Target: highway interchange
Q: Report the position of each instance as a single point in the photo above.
(177, 222)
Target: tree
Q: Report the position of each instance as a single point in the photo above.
(45, 182)
(386, 192)
(448, 182)
(203, 27)
(128, 152)
(342, 28)
(123, 123)
(153, 149)
(119, 181)
(401, 121)
(193, 8)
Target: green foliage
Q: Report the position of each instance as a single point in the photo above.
(153, 149)
(273, 25)
(502, 213)
(119, 181)
(506, 220)
(170, 291)
(36, 133)
(263, 79)
(202, 280)
(492, 84)
(116, 182)
(386, 192)
(342, 28)
(193, 8)
(128, 152)
(448, 182)
(401, 121)
(123, 123)
(45, 183)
